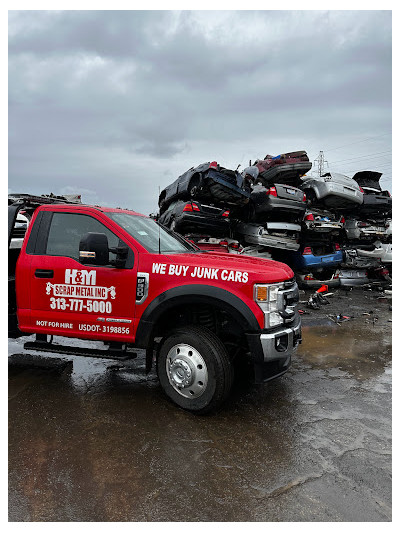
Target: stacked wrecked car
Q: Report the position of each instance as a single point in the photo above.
(331, 229)
(367, 245)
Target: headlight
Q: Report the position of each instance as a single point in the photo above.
(271, 303)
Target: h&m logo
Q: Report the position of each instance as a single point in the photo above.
(80, 277)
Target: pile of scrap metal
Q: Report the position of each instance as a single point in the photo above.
(224, 210)
(367, 246)
(331, 229)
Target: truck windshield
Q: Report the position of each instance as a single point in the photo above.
(150, 234)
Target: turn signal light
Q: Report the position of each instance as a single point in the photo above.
(307, 251)
(342, 220)
(261, 293)
(226, 213)
(308, 277)
(309, 217)
(214, 165)
(337, 246)
(304, 197)
(361, 189)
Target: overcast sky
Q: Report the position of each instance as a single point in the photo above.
(114, 104)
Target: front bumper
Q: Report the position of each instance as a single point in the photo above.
(272, 351)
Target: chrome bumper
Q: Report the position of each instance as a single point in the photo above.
(281, 344)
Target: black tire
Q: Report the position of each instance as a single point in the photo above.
(199, 352)
(194, 186)
(311, 196)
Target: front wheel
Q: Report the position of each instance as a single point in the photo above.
(194, 369)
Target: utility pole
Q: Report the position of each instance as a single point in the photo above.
(321, 163)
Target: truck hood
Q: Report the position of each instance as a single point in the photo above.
(259, 270)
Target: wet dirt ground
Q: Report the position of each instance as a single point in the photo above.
(91, 442)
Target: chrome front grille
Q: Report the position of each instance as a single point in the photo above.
(289, 297)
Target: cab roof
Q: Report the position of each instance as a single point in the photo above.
(79, 207)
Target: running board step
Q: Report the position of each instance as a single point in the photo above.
(74, 350)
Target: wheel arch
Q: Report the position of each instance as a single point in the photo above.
(178, 297)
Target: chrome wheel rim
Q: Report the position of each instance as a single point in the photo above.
(186, 371)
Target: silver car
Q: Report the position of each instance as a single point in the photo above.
(357, 230)
(282, 235)
(314, 280)
(353, 278)
(333, 190)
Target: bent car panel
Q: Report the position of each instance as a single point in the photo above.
(374, 204)
(313, 280)
(271, 234)
(322, 221)
(366, 230)
(353, 278)
(333, 190)
(207, 182)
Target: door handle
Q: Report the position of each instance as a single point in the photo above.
(40, 273)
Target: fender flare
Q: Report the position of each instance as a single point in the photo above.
(190, 294)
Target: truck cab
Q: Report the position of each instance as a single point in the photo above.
(114, 275)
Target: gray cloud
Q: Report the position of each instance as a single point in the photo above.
(120, 102)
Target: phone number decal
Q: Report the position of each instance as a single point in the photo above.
(73, 304)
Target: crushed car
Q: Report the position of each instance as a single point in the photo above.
(191, 216)
(315, 254)
(332, 190)
(322, 221)
(283, 168)
(282, 235)
(314, 279)
(375, 200)
(207, 183)
(367, 229)
(279, 202)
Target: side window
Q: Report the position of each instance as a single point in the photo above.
(67, 229)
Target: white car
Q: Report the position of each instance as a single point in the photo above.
(382, 251)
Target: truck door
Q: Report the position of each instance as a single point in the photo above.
(71, 298)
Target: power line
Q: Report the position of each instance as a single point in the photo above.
(362, 157)
(357, 142)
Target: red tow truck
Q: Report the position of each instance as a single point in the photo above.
(116, 276)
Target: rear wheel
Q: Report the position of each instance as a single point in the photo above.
(194, 186)
(194, 369)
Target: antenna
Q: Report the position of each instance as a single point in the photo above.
(159, 228)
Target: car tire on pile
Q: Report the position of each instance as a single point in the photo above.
(194, 369)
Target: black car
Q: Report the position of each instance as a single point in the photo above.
(208, 183)
(375, 201)
(278, 202)
(193, 217)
